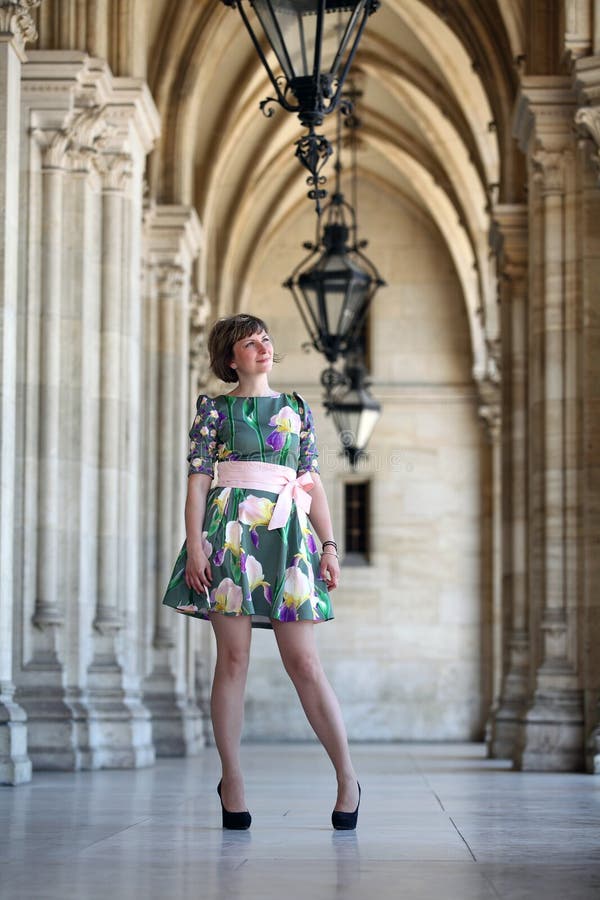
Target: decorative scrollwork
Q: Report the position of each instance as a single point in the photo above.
(265, 108)
(333, 379)
(313, 151)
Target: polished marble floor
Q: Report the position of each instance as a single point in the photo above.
(436, 823)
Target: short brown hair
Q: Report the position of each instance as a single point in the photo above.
(223, 335)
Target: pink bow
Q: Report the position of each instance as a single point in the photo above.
(295, 489)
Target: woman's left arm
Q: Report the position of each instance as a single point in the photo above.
(320, 518)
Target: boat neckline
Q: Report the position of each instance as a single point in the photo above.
(251, 396)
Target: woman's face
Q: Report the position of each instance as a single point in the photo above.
(253, 355)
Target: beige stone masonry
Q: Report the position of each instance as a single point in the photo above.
(543, 125)
(172, 242)
(16, 28)
(509, 240)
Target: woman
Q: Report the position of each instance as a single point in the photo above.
(250, 556)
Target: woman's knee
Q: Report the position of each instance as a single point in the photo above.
(233, 659)
(304, 667)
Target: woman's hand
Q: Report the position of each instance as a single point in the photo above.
(198, 575)
(329, 568)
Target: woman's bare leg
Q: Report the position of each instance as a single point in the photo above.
(300, 657)
(233, 636)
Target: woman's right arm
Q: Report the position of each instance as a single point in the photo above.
(197, 569)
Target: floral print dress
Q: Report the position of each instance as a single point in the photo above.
(255, 572)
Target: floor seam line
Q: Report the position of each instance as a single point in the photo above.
(463, 839)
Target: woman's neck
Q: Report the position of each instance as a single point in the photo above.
(253, 387)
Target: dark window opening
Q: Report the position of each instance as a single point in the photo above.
(356, 523)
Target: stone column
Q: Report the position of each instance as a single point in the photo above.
(119, 723)
(173, 241)
(16, 27)
(551, 734)
(509, 240)
(491, 624)
(41, 547)
(202, 648)
(587, 120)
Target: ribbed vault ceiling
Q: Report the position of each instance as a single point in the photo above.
(438, 83)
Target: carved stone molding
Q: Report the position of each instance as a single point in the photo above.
(16, 19)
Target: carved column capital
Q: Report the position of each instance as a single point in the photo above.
(170, 279)
(16, 20)
(88, 133)
(549, 169)
(54, 144)
(115, 169)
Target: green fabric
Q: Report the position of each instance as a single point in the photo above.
(256, 572)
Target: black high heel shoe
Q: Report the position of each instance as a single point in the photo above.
(234, 820)
(345, 821)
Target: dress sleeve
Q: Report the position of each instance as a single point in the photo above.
(308, 455)
(203, 438)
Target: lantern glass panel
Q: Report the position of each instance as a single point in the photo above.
(365, 426)
(291, 29)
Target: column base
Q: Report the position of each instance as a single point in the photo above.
(593, 752)
(177, 723)
(15, 765)
(551, 737)
(504, 731)
(119, 735)
(118, 725)
(51, 730)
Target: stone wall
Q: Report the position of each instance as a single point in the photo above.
(404, 652)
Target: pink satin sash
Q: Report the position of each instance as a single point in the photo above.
(262, 476)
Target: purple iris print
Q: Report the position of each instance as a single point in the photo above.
(218, 557)
(254, 536)
(288, 613)
(310, 543)
(276, 439)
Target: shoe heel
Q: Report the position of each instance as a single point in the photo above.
(346, 821)
(236, 821)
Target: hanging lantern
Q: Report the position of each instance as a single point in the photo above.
(334, 286)
(354, 410)
(314, 42)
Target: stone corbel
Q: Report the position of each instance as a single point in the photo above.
(587, 122)
(199, 315)
(16, 20)
(489, 408)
